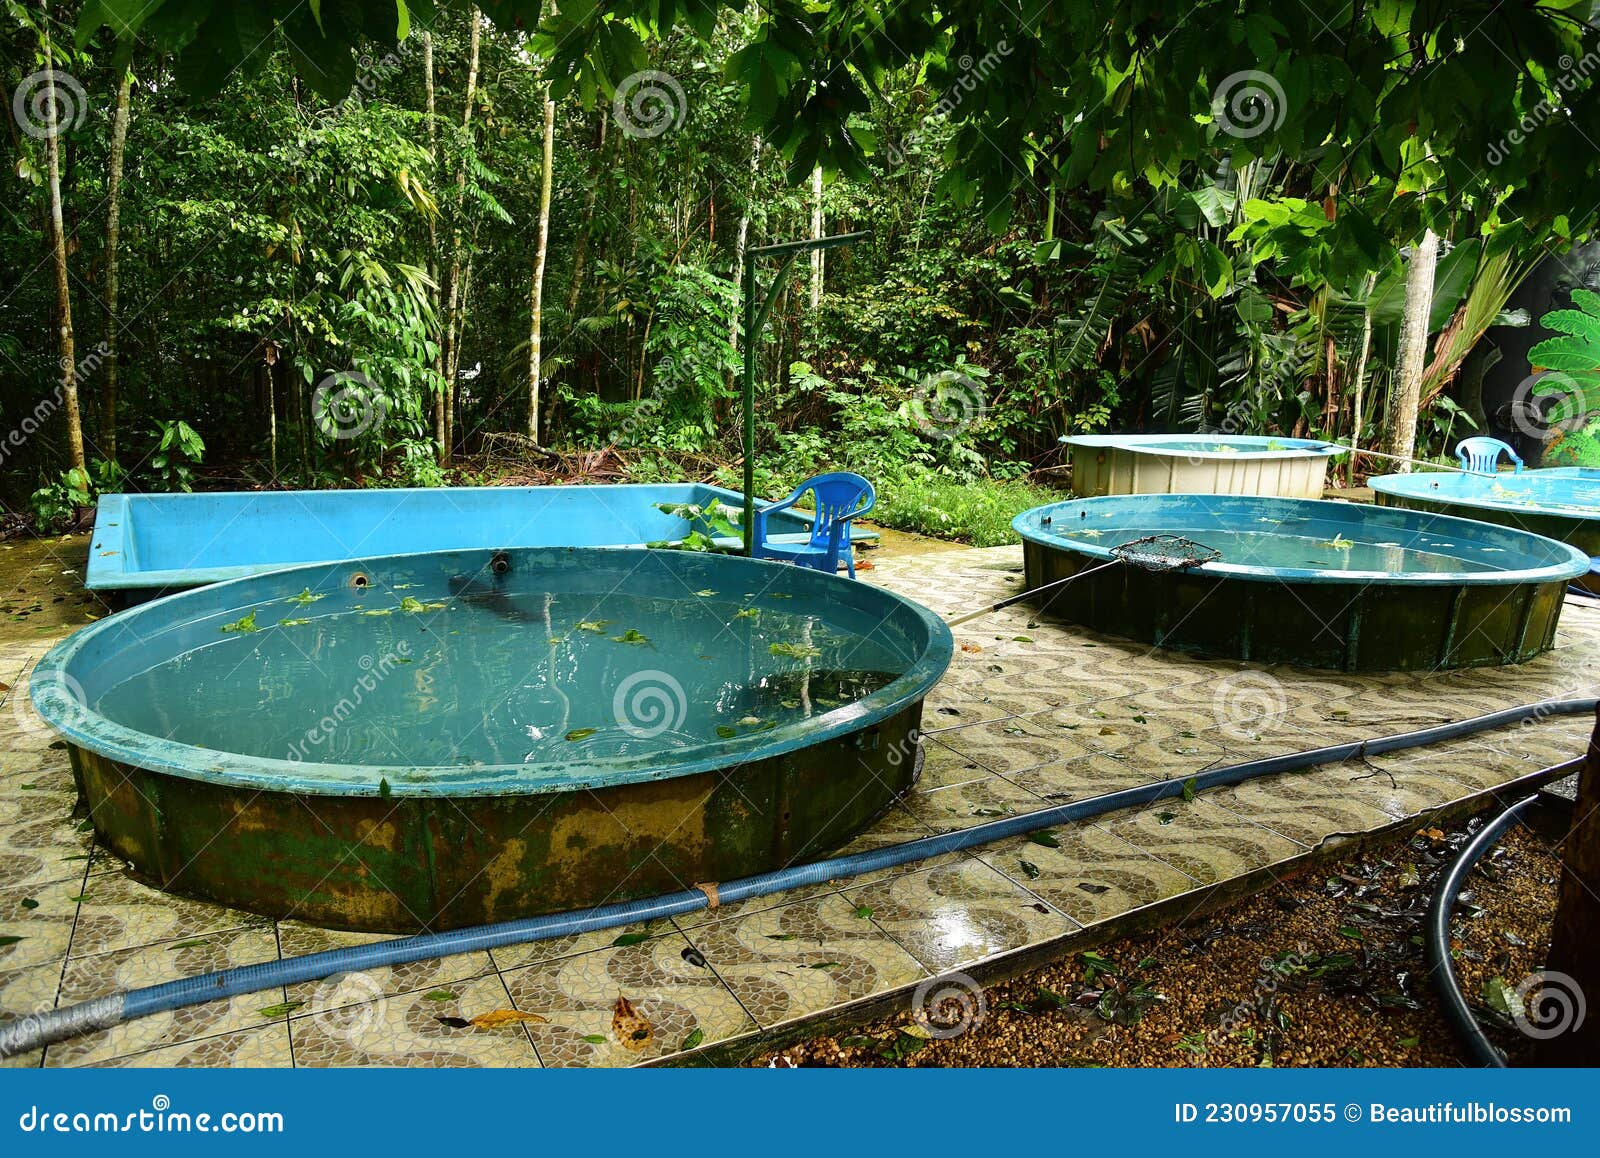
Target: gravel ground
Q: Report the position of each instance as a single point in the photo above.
(1323, 969)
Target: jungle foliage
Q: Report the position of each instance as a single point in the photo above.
(1082, 216)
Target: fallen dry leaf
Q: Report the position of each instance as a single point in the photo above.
(632, 1030)
(971, 647)
(495, 1018)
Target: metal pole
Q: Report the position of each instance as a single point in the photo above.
(754, 319)
(748, 292)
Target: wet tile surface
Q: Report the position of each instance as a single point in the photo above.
(1032, 713)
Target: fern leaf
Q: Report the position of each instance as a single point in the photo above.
(1578, 350)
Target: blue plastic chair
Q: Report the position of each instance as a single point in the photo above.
(1482, 454)
(839, 497)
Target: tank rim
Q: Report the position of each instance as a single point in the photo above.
(1029, 525)
(1398, 486)
(54, 692)
(1252, 446)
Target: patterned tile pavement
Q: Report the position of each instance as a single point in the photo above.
(1032, 713)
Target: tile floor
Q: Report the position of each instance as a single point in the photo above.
(1031, 714)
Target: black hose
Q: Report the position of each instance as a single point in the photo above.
(1436, 936)
(64, 1022)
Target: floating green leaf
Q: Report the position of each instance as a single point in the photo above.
(1337, 543)
(293, 622)
(379, 611)
(705, 594)
(242, 626)
(725, 732)
(598, 626)
(581, 733)
(413, 606)
(305, 597)
(748, 613)
(630, 636)
(795, 650)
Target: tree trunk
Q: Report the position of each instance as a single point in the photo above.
(58, 249)
(272, 420)
(816, 232)
(451, 356)
(108, 394)
(536, 316)
(581, 249)
(1573, 973)
(740, 243)
(1407, 393)
(433, 251)
(1360, 382)
(453, 374)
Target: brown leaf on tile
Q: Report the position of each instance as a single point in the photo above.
(495, 1018)
(632, 1030)
(972, 647)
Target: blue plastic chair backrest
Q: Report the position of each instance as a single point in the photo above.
(1482, 454)
(837, 494)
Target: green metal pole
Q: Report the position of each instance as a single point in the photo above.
(755, 318)
(750, 340)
